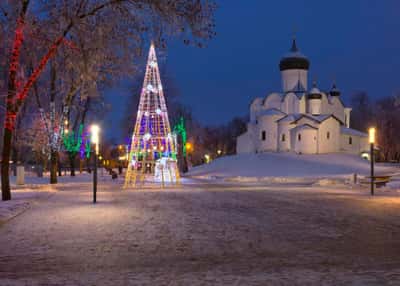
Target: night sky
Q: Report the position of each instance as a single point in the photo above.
(355, 42)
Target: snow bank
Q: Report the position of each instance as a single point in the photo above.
(286, 167)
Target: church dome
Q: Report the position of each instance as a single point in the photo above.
(294, 59)
(334, 91)
(314, 93)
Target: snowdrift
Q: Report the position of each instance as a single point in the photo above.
(286, 165)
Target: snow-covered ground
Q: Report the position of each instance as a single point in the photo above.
(36, 188)
(287, 166)
(204, 233)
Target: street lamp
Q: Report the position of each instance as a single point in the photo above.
(94, 130)
(372, 132)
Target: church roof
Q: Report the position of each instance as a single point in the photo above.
(334, 90)
(314, 93)
(294, 59)
(299, 88)
(304, 126)
(270, 112)
(353, 132)
(318, 118)
(290, 117)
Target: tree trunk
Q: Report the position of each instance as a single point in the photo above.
(53, 167)
(59, 165)
(11, 108)
(88, 168)
(5, 165)
(72, 164)
(14, 160)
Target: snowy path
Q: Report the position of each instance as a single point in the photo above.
(204, 234)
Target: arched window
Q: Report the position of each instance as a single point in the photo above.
(299, 137)
(350, 141)
(283, 137)
(263, 135)
(328, 135)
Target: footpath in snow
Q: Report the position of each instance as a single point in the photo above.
(34, 190)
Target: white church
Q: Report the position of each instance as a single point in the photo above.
(300, 120)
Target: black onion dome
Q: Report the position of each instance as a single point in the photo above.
(334, 91)
(294, 59)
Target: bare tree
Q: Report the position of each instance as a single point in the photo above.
(56, 21)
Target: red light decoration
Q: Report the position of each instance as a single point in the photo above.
(22, 95)
(19, 37)
(11, 113)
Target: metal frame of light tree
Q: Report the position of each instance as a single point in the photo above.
(152, 138)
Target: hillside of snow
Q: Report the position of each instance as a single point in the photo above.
(287, 165)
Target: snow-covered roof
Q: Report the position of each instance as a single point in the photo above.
(290, 117)
(270, 112)
(315, 90)
(353, 132)
(321, 117)
(304, 126)
(318, 118)
(256, 101)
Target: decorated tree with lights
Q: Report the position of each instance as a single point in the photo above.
(153, 146)
(180, 131)
(39, 31)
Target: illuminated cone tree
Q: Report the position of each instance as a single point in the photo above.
(152, 155)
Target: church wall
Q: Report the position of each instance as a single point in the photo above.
(347, 112)
(273, 101)
(290, 104)
(268, 125)
(314, 106)
(245, 144)
(290, 79)
(302, 105)
(307, 144)
(284, 129)
(255, 107)
(337, 109)
(331, 144)
(326, 107)
(358, 144)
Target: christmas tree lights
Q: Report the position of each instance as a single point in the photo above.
(153, 147)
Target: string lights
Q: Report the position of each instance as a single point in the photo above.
(153, 147)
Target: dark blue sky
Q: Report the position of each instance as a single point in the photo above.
(354, 41)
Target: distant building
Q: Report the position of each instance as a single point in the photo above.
(300, 120)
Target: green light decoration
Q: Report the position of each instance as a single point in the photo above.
(180, 129)
(73, 143)
(86, 149)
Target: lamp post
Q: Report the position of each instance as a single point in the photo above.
(94, 130)
(371, 132)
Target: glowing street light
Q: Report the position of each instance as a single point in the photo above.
(372, 134)
(95, 130)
